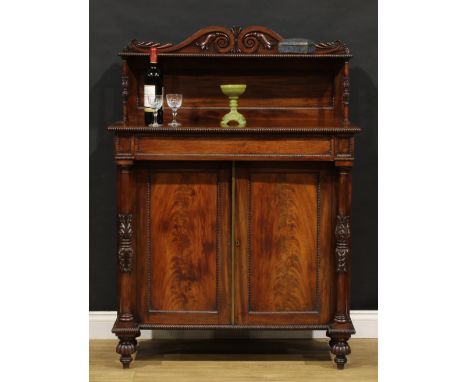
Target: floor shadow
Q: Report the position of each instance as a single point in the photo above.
(233, 350)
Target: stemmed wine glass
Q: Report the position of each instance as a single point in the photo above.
(174, 101)
(155, 101)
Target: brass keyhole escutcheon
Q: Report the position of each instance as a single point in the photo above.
(237, 243)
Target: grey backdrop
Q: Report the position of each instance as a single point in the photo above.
(114, 22)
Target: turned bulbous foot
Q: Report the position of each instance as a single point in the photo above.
(126, 347)
(340, 349)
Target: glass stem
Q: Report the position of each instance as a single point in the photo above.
(155, 116)
(174, 113)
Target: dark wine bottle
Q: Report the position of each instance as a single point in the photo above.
(153, 85)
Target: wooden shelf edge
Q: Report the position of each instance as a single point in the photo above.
(246, 130)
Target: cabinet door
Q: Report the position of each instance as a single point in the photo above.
(183, 244)
(282, 239)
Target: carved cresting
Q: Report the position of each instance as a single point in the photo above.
(218, 39)
(125, 242)
(335, 47)
(237, 40)
(342, 235)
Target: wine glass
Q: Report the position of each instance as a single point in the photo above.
(155, 101)
(174, 101)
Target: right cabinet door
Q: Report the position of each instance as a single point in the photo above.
(283, 244)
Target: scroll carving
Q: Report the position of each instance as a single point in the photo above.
(238, 41)
(335, 47)
(217, 42)
(125, 251)
(251, 40)
(342, 235)
(144, 47)
(254, 39)
(222, 40)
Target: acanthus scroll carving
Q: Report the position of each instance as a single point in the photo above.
(335, 47)
(342, 235)
(144, 46)
(222, 40)
(125, 251)
(237, 40)
(218, 42)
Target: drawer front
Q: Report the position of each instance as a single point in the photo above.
(233, 148)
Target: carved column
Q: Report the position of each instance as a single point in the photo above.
(125, 327)
(125, 92)
(341, 328)
(346, 94)
(126, 250)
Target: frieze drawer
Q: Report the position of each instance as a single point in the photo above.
(239, 148)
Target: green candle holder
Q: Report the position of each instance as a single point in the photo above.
(233, 92)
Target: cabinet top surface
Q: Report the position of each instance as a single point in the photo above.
(204, 128)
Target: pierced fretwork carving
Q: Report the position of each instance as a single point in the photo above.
(342, 235)
(125, 242)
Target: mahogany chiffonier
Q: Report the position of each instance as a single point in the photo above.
(236, 227)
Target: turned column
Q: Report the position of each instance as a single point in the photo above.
(341, 328)
(126, 261)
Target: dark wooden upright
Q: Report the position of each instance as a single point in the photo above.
(236, 227)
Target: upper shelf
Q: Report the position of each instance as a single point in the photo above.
(218, 41)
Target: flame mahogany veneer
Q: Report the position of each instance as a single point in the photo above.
(236, 228)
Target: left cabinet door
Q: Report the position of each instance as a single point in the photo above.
(183, 243)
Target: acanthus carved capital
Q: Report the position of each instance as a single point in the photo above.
(342, 236)
(125, 251)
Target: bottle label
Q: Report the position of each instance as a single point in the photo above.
(148, 90)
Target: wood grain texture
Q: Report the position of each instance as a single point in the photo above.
(186, 242)
(283, 232)
(303, 89)
(183, 241)
(188, 147)
(238, 41)
(219, 360)
(244, 244)
(283, 215)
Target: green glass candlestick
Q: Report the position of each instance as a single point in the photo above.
(233, 92)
